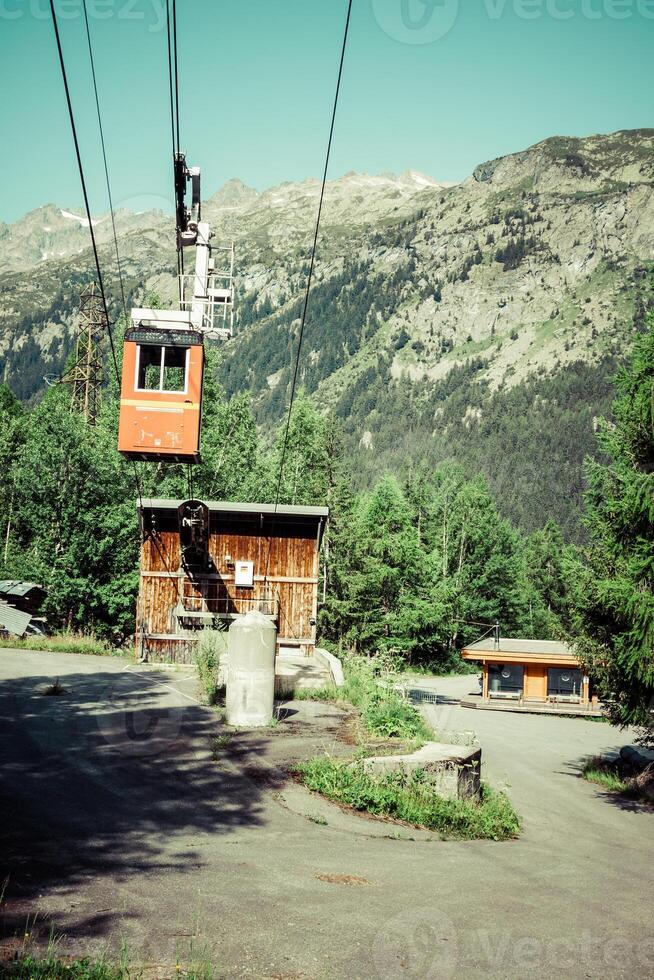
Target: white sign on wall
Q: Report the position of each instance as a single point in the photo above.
(244, 573)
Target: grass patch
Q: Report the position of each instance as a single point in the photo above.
(53, 967)
(328, 693)
(597, 719)
(64, 643)
(408, 797)
(55, 690)
(219, 744)
(384, 711)
(50, 968)
(605, 774)
(616, 776)
(316, 818)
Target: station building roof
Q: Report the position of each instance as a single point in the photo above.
(311, 520)
(230, 507)
(12, 587)
(517, 650)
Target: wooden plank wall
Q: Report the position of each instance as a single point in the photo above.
(289, 555)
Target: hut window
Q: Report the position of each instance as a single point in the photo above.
(505, 678)
(161, 368)
(564, 682)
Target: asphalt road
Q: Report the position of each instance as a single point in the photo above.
(121, 824)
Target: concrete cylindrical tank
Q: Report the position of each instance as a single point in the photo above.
(251, 671)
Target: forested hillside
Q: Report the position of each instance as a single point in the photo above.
(476, 323)
(412, 566)
(407, 564)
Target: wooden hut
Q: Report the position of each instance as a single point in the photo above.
(256, 557)
(528, 670)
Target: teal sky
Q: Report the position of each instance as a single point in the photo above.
(435, 86)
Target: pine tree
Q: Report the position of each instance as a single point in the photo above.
(613, 625)
(11, 436)
(306, 469)
(549, 565)
(385, 571)
(75, 524)
(339, 547)
(477, 560)
(231, 454)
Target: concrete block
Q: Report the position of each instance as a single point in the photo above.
(332, 664)
(453, 770)
(294, 672)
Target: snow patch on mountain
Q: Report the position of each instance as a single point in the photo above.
(84, 222)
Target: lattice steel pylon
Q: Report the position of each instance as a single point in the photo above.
(86, 375)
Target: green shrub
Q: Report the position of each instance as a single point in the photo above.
(385, 712)
(409, 797)
(210, 647)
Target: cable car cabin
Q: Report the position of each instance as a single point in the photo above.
(161, 392)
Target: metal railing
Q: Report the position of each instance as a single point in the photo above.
(197, 605)
(216, 304)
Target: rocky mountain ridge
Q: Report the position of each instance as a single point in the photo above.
(51, 233)
(530, 264)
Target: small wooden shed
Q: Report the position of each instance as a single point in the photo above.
(258, 557)
(20, 608)
(529, 670)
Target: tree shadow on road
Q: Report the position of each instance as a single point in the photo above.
(101, 782)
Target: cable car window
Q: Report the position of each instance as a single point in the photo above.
(149, 369)
(174, 369)
(161, 368)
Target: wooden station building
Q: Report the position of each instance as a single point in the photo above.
(529, 671)
(243, 557)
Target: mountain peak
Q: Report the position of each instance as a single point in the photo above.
(233, 193)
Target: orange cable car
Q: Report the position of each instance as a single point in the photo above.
(161, 393)
(163, 355)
